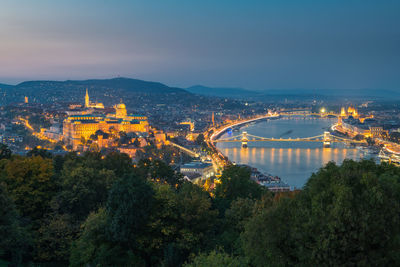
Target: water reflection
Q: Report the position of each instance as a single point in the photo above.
(297, 156)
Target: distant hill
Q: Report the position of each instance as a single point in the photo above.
(134, 91)
(107, 90)
(301, 93)
(5, 86)
(221, 92)
(126, 84)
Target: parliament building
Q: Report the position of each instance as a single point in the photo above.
(84, 125)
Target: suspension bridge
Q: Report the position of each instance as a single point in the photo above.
(326, 139)
(308, 113)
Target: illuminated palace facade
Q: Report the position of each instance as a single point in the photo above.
(84, 125)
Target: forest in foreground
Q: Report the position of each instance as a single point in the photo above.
(100, 210)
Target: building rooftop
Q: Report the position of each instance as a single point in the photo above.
(86, 115)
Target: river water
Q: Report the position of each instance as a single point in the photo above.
(294, 162)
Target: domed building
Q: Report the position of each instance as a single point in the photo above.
(352, 111)
(84, 125)
(120, 110)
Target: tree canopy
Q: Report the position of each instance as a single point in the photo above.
(96, 210)
(345, 215)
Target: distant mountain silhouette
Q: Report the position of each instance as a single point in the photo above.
(283, 93)
(221, 92)
(107, 90)
(130, 90)
(127, 84)
(5, 86)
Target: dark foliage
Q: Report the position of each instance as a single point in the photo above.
(92, 210)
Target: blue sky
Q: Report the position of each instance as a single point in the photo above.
(282, 44)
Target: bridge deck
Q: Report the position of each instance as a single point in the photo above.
(288, 140)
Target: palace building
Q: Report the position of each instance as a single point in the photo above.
(84, 125)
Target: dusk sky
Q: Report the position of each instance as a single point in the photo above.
(344, 44)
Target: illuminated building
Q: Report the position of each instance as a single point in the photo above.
(84, 125)
(11, 139)
(26, 100)
(89, 104)
(343, 112)
(352, 111)
(54, 133)
(120, 111)
(75, 106)
(377, 131)
(190, 123)
(196, 171)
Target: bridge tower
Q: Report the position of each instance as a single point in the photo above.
(327, 139)
(244, 139)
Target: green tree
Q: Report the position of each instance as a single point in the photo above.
(168, 154)
(58, 163)
(93, 248)
(31, 184)
(44, 153)
(181, 223)
(236, 183)
(233, 224)
(120, 163)
(159, 171)
(54, 238)
(197, 220)
(161, 231)
(15, 240)
(216, 259)
(83, 190)
(267, 236)
(346, 216)
(128, 210)
(114, 236)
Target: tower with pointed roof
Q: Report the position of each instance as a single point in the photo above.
(87, 101)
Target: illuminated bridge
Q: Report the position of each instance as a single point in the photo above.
(326, 138)
(308, 113)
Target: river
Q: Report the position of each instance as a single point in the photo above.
(294, 162)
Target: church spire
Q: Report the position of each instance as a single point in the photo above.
(87, 101)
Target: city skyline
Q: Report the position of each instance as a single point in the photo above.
(256, 45)
(199, 133)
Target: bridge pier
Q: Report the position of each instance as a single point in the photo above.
(327, 139)
(244, 139)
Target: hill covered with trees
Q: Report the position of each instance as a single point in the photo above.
(105, 90)
(100, 210)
